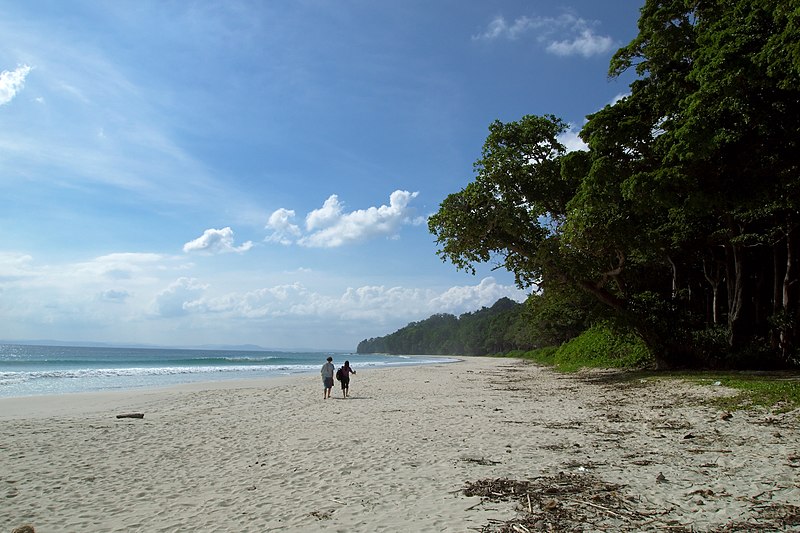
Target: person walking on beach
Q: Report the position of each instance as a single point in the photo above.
(345, 378)
(327, 378)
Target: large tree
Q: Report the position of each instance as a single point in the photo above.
(683, 216)
(726, 154)
(525, 210)
(513, 208)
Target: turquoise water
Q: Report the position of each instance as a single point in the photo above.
(27, 370)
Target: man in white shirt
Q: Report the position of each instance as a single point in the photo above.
(327, 378)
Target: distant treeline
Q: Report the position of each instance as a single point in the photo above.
(491, 330)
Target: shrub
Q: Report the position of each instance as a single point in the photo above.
(601, 346)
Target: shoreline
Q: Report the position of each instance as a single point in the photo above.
(272, 455)
(163, 371)
(91, 402)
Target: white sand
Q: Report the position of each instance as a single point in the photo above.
(274, 456)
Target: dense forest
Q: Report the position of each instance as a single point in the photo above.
(680, 221)
(497, 329)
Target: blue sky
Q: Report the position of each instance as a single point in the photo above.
(193, 172)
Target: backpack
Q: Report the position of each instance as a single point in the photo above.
(339, 374)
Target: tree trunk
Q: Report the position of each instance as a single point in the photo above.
(788, 300)
(775, 333)
(713, 279)
(738, 326)
(674, 277)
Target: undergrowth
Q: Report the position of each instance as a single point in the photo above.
(779, 392)
(597, 347)
(601, 347)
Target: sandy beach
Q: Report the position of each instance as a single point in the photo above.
(479, 445)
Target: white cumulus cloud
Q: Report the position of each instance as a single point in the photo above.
(471, 297)
(329, 214)
(331, 225)
(269, 302)
(216, 241)
(572, 141)
(11, 82)
(284, 231)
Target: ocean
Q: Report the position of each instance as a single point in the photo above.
(28, 370)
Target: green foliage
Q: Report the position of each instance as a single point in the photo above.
(555, 316)
(601, 346)
(498, 329)
(503, 214)
(777, 392)
(542, 356)
(683, 218)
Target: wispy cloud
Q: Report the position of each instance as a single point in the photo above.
(565, 35)
(174, 300)
(586, 44)
(619, 97)
(137, 288)
(111, 295)
(118, 266)
(88, 90)
(11, 82)
(499, 27)
(14, 266)
(367, 303)
(331, 226)
(216, 241)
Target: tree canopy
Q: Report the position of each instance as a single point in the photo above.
(682, 217)
(490, 330)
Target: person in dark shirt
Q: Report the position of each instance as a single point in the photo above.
(345, 379)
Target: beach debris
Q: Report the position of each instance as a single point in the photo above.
(550, 505)
(705, 493)
(661, 478)
(131, 415)
(322, 515)
(27, 528)
(782, 514)
(480, 461)
(564, 502)
(578, 503)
